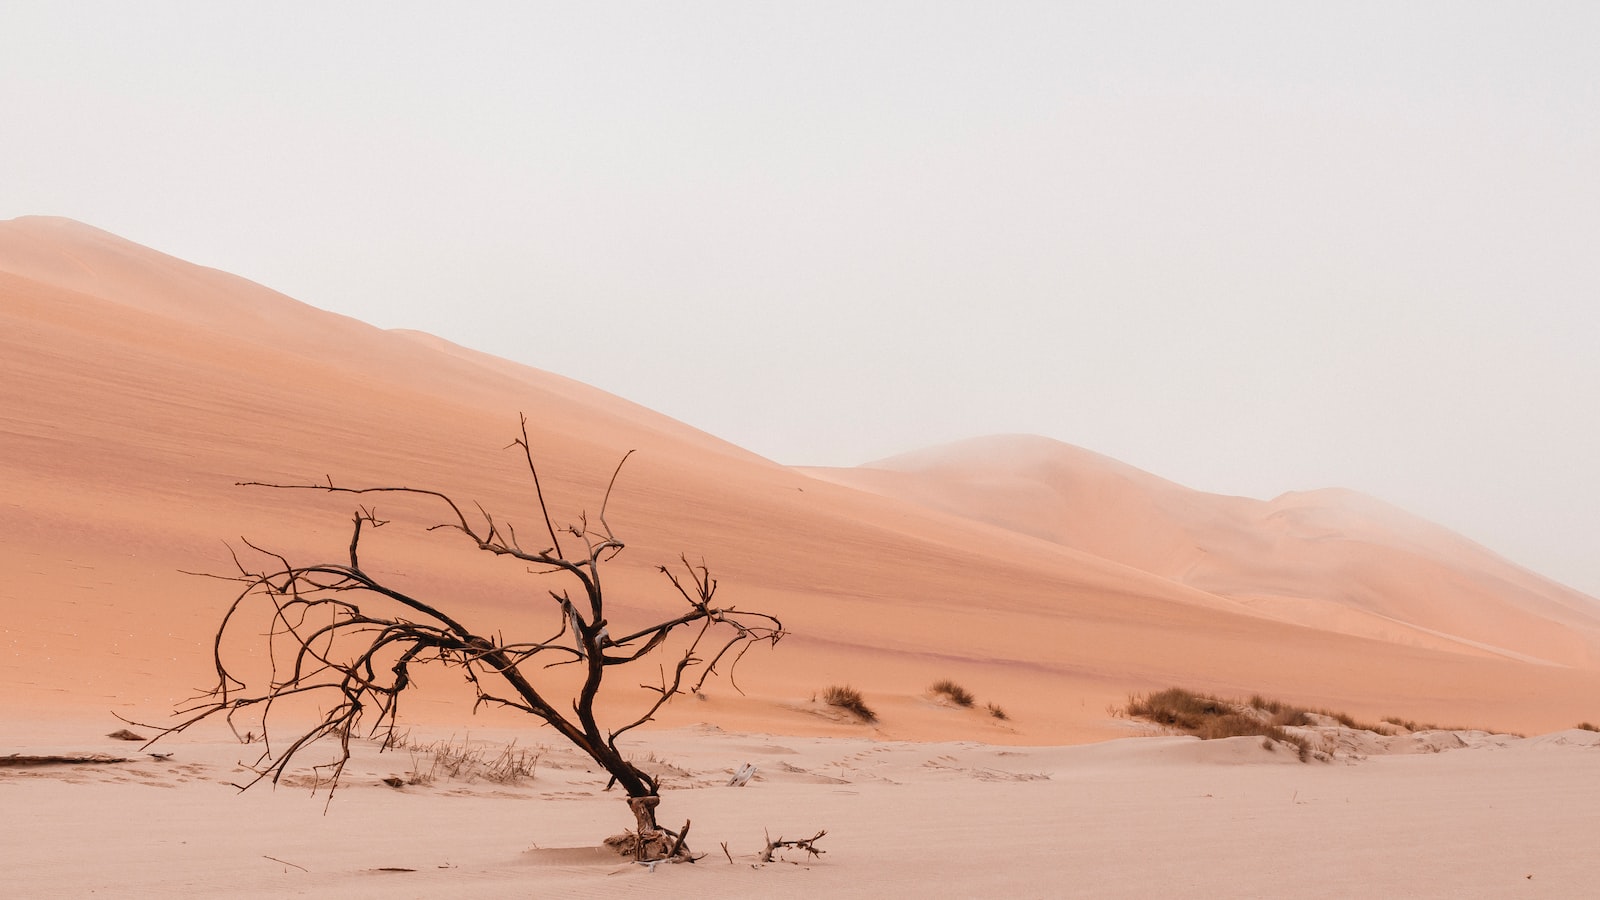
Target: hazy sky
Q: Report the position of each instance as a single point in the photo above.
(1251, 247)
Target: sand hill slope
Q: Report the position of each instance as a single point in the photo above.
(136, 389)
(1330, 558)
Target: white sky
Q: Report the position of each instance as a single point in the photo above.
(1251, 247)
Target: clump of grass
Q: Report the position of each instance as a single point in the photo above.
(1414, 725)
(849, 699)
(1268, 706)
(997, 712)
(1588, 726)
(1286, 716)
(1178, 708)
(1210, 718)
(661, 769)
(462, 760)
(953, 692)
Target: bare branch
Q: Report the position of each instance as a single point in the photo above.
(538, 490)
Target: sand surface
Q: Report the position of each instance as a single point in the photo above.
(136, 390)
(1136, 817)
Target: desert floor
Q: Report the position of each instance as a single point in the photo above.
(1437, 814)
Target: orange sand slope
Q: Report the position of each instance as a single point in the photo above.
(136, 389)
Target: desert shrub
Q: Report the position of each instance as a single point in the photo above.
(953, 692)
(849, 699)
(997, 712)
(1211, 718)
(1178, 708)
(1588, 726)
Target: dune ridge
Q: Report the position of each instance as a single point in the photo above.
(1331, 557)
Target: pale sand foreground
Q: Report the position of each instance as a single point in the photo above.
(1137, 817)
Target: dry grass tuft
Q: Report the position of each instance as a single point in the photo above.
(849, 699)
(1588, 726)
(1414, 725)
(953, 692)
(1210, 718)
(997, 712)
(461, 760)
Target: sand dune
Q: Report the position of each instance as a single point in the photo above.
(139, 388)
(1329, 558)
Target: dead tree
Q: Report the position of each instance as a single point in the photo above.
(349, 643)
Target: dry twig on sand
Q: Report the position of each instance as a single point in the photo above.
(809, 845)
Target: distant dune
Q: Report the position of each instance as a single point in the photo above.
(136, 389)
(1331, 558)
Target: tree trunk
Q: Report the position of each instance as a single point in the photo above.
(653, 842)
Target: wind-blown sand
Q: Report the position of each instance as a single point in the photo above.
(136, 389)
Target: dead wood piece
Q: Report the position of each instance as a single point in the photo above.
(18, 760)
(677, 843)
(126, 735)
(285, 862)
(809, 845)
(625, 844)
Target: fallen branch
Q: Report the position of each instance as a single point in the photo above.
(809, 845)
(677, 843)
(285, 862)
(21, 759)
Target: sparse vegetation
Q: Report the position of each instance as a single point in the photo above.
(1262, 703)
(1209, 718)
(1414, 725)
(849, 699)
(1588, 726)
(953, 692)
(997, 712)
(461, 760)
